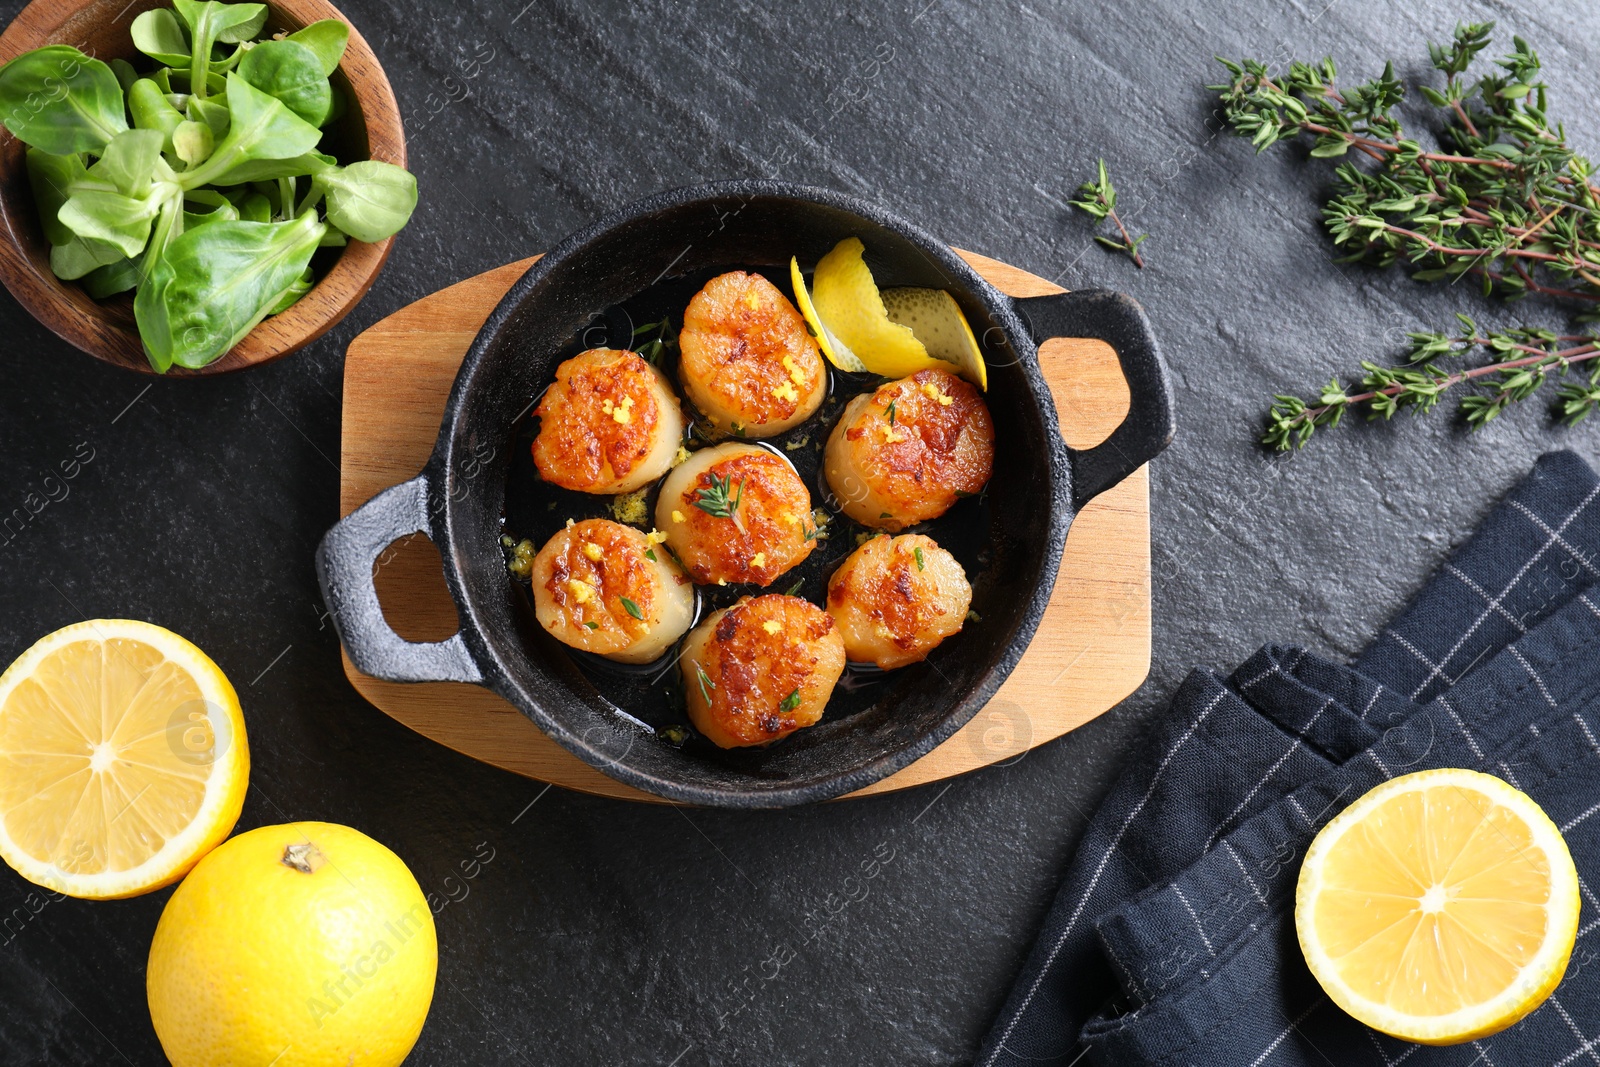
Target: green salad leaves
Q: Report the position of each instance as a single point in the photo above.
(198, 183)
(58, 100)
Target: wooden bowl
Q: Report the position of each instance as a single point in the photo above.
(369, 129)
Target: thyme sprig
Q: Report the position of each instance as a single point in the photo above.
(706, 684)
(1522, 360)
(1100, 201)
(721, 498)
(665, 338)
(1504, 198)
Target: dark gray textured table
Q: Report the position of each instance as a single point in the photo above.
(604, 932)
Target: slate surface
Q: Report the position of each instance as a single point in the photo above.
(607, 932)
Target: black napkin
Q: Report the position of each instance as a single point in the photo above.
(1172, 938)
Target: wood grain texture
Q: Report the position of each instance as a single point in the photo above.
(370, 129)
(1091, 651)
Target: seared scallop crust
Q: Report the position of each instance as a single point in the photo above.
(760, 670)
(610, 423)
(908, 451)
(736, 513)
(747, 359)
(895, 599)
(606, 588)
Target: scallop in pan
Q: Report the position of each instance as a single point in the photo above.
(895, 599)
(736, 513)
(610, 423)
(906, 452)
(760, 670)
(747, 359)
(606, 588)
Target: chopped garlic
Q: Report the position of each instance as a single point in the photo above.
(722, 581)
(569, 524)
(582, 592)
(655, 537)
(677, 516)
(592, 550)
(758, 560)
(623, 412)
(629, 508)
(772, 626)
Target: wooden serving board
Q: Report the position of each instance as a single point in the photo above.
(1091, 650)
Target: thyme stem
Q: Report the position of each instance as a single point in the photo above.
(1099, 200)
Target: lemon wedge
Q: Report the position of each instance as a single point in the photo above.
(848, 311)
(936, 319)
(837, 351)
(122, 759)
(1440, 907)
(895, 333)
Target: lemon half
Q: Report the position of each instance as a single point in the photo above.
(122, 759)
(1440, 907)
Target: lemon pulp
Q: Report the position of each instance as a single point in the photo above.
(122, 759)
(1440, 907)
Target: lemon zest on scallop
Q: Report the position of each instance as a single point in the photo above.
(796, 375)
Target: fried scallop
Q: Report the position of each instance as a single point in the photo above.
(761, 669)
(606, 588)
(610, 423)
(908, 451)
(747, 359)
(894, 599)
(736, 513)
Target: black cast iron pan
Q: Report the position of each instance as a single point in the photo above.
(476, 487)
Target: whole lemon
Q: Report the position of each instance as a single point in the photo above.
(300, 945)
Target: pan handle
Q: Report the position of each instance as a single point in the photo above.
(1120, 322)
(344, 570)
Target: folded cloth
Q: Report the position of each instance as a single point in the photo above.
(1172, 941)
